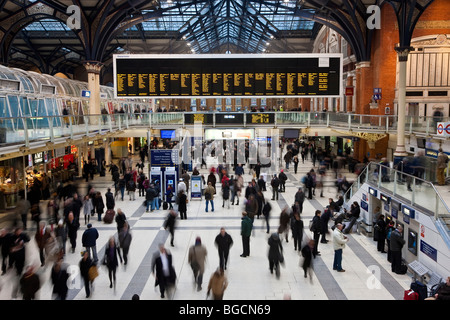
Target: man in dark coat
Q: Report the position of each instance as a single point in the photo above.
(275, 253)
(110, 202)
(297, 230)
(163, 269)
(246, 231)
(275, 183)
(397, 243)
(89, 241)
(223, 242)
(283, 178)
(300, 198)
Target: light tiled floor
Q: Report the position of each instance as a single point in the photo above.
(367, 275)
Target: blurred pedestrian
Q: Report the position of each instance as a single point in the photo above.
(266, 213)
(217, 284)
(121, 219)
(441, 165)
(72, 226)
(275, 254)
(112, 251)
(163, 270)
(59, 277)
(30, 283)
(169, 223)
(125, 238)
(17, 251)
(307, 254)
(284, 223)
(196, 258)
(85, 264)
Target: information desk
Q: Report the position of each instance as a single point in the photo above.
(227, 75)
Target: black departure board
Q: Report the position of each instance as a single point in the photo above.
(225, 75)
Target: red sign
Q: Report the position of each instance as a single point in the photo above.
(349, 91)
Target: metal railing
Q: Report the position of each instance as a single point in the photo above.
(412, 190)
(23, 130)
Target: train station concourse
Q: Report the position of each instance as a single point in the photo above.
(250, 151)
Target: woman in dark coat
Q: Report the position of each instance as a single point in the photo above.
(85, 264)
(380, 229)
(182, 204)
(59, 276)
(99, 205)
(297, 230)
(307, 254)
(112, 251)
(275, 253)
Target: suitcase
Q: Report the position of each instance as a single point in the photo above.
(165, 205)
(109, 216)
(410, 295)
(420, 289)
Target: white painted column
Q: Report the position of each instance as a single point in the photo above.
(400, 150)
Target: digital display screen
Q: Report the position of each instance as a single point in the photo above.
(167, 134)
(291, 133)
(225, 75)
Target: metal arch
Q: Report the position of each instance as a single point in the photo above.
(408, 13)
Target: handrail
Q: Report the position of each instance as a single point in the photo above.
(23, 130)
(440, 206)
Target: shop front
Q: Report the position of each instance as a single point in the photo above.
(11, 182)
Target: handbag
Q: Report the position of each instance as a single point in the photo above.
(93, 273)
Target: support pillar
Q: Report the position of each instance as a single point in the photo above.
(400, 151)
(363, 89)
(93, 69)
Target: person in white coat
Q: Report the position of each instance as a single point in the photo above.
(339, 241)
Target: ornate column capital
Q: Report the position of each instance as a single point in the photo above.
(402, 53)
(93, 66)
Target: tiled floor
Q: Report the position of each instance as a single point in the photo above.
(367, 276)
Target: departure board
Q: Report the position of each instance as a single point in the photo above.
(228, 75)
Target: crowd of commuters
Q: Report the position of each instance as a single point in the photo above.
(66, 206)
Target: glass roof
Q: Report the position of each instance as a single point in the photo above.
(209, 25)
(47, 25)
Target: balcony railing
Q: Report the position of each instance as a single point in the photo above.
(23, 130)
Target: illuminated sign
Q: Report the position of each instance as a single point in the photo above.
(260, 118)
(385, 198)
(408, 212)
(224, 75)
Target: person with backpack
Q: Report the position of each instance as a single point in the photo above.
(283, 178)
